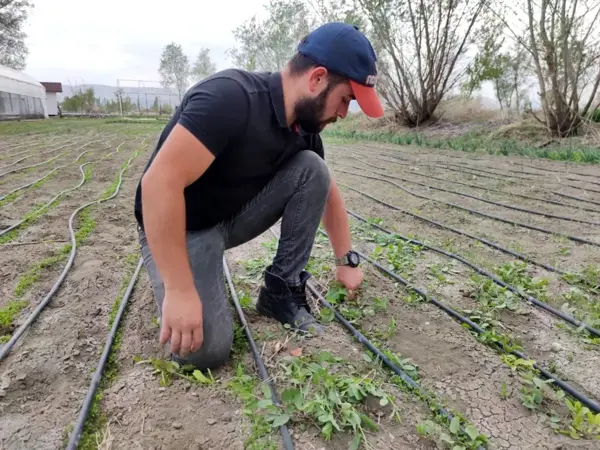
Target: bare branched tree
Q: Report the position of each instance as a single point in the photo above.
(563, 39)
(423, 42)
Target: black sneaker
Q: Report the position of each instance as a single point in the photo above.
(287, 304)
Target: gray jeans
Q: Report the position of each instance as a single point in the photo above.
(297, 194)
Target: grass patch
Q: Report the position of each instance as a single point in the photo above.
(474, 142)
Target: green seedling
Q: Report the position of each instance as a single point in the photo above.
(327, 391)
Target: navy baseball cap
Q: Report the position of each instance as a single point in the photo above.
(343, 49)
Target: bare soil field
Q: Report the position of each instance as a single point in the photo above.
(489, 309)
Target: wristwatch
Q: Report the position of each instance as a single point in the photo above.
(349, 259)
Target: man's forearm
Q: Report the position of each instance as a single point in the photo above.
(335, 220)
(164, 224)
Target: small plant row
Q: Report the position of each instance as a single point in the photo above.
(86, 225)
(577, 420)
(10, 233)
(474, 143)
(86, 433)
(586, 279)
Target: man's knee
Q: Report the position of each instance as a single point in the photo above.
(214, 352)
(317, 171)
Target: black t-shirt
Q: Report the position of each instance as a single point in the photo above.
(240, 117)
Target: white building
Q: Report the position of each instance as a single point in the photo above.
(52, 89)
(21, 96)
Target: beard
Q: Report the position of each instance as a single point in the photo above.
(309, 112)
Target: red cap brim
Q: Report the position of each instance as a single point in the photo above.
(367, 99)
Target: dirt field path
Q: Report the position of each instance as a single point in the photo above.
(145, 402)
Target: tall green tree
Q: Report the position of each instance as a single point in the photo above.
(203, 66)
(268, 44)
(13, 51)
(174, 68)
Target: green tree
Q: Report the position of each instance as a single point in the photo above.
(174, 68)
(203, 66)
(13, 51)
(268, 44)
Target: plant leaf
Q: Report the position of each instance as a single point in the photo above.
(355, 442)
(454, 425)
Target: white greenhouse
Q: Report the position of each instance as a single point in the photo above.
(21, 96)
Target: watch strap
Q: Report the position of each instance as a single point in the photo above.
(343, 261)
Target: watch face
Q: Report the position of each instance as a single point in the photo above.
(353, 259)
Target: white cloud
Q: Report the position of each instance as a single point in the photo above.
(124, 38)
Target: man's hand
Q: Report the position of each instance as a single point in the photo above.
(182, 321)
(350, 277)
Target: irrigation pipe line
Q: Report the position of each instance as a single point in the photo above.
(590, 403)
(475, 197)
(470, 171)
(489, 177)
(61, 193)
(260, 365)
(50, 173)
(585, 200)
(97, 377)
(559, 171)
(4, 350)
(32, 166)
(494, 278)
(369, 345)
(476, 186)
(501, 174)
(38, 154)
(457, 231)
(480, 213)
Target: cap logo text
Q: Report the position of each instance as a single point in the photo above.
(371, 80)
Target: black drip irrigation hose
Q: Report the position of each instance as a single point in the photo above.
(457, 231)
(475, 186)
(590, 403)
(5, 349)
(494, 278)
(585, 200)
(566, 171)
(480, 213)
(97, 377)
(51, 172)
(61, 193)
(17, 189)
(38, 154)
(369, 345)
(475, 197)
(260, 365)
(501, 174)
(473, 171)
(33, 165)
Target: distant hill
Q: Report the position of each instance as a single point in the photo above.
(144, 94)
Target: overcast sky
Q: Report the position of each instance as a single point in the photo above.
(124, 38)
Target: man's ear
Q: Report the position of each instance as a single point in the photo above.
(317, 79)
